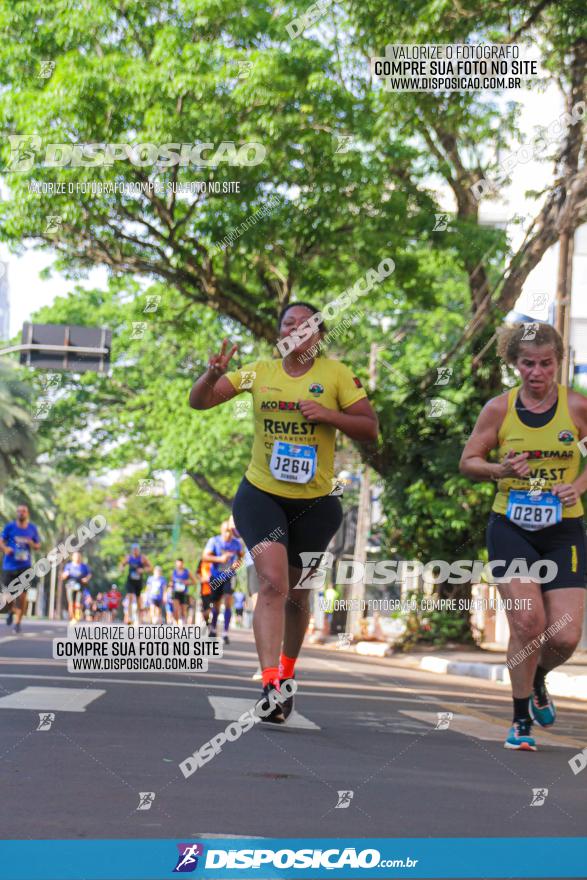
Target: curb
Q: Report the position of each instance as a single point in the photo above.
(560, 684)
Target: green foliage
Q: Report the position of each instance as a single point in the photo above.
(161, 72)
(17, 443)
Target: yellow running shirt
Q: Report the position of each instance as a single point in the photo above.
(554, 455)
(278, 420)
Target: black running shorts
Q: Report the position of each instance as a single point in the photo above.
(300, 524)
(134, 587)
(564, 543)
(9, 576)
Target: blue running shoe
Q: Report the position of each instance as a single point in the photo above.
(542, 708)
(519, 737)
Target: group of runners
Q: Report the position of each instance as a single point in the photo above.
(284, 506)
(160, 597)
(149, 596)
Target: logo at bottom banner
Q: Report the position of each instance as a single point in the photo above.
(329, 859)
(187, 859)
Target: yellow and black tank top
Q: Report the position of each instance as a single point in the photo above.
(554, 456)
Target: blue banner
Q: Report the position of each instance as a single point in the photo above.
(304, 858)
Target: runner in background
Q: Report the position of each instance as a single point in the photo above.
(239, 606)
(225, 552)
(181, 579)
(137, 565)
(114, 600)
(76, 575)
(155, 590)
(19, 537)
(537, 515)
(204, 569)
(168, 602)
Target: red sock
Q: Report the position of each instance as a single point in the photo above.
(270, 675)
(286, 666)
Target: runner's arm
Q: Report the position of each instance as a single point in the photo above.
(483, 440)
(208, 556)
(358, 421)
(578, 406)
(209, 391)
(147, 563)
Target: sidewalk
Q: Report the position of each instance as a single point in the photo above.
(489, 662)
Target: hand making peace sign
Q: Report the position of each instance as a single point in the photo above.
(218, 363)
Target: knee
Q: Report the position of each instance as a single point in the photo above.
(271, 584)
(566, 640)
(528, 627)
(299, 599)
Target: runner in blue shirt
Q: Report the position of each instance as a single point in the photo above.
(156, 584)
(239, 606)
(181, 580)
(225, 552)
(18, 538)
(76, 575)
(137, 565)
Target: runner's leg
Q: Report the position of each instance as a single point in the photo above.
(269, 618)
(227, 612)
(297, 615)
(215, 612)
(559, 605)
(525, 625)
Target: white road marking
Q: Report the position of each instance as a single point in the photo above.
(202, 834)
(433, 696)
(8, 639)
(230, 708)
(53, 698)
(480, 729)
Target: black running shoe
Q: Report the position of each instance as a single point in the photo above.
(263, 706)
(9, 617)
(288, 703)
(226, 639)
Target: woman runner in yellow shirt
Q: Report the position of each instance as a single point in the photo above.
(537, 516)
(283, 506)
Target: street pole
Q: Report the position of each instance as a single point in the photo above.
(363, 522)
(176, 531)
(563, 299)
(51, 605)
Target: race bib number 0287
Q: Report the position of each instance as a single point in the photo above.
(533, 512)
(292, 463)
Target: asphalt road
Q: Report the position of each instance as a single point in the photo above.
(366, 727)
